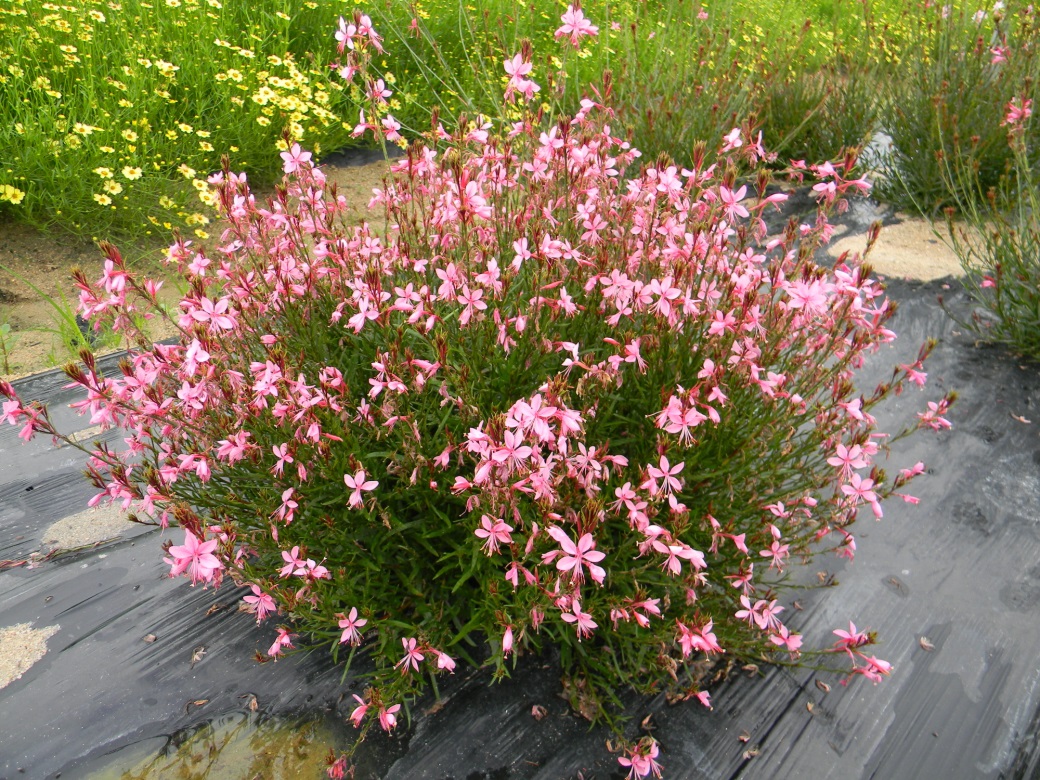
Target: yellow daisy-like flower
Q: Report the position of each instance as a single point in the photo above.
(104, 200)
(106, 149)
(112, 187)
(263, 121)
(133, 174)
(129, 135)
(82, 129)
(96, 15)
(184, 127)
(166, 202)
(11, 194)
(186, 171)
(200, 184)
(206, 146)
(201, 233)
(172, 135)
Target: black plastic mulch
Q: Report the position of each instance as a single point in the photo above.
(959, 572)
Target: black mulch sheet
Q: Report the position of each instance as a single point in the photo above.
(962, 569)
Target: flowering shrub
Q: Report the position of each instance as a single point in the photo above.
(560, 401)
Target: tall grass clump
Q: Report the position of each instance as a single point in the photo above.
(997, 237)
(565, 401)
(944, 107)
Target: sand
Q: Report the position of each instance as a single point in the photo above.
(21, 646)
(908, 249)
(86, 528)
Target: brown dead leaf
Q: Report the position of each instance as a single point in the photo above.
(538, 712)
(149, 638)
(197, 653)
(751, 669)
(751, 752)
(215, 608)
(195, 703)
(251, 703)
(797, 605)
(810, 707)
(1021, 419)
(823, 686)
(744, 737)
(926, 644)
(648, 723)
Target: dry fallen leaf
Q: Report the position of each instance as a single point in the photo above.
(197, 653)
(538, 712)
(823, 686)
(149, 638)
(810, 706)
(751, 752)
(251, 703)
(195, 703)
(744, 737)
(214, 608)
(926, 644)
(648, 723)
(1021, 419)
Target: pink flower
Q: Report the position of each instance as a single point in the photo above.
(284, 639)
(388, 717)
(358, 483)
(359, 712)
(575, 25)
(1018, 110)
(260, 603)
(412, 656)
(577, 555)
(495, 532)
(640, 760)
(195, 557)
(584, 624)
(350, 625)
(295, 158)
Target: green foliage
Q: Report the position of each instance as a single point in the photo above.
(944, 106)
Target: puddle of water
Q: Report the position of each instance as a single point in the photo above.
(236, 746)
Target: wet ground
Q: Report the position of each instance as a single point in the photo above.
(142, 665)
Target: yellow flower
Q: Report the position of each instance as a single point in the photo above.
(167, 69)
(104, 200)
(185, 171)
(201, 233)
(173, 3)
(106, 149)
(184, 128)
(112, 187)
(132, 173)
(11, 194)
(202, 133)
(234, 75)
(82, 129)
(172, 135)
(214, 3)
(263, 121)
(73, 141)
(206, 146)
(97, 16)
(281, 145)
(124, 103)
(129, 135)
(166, 202)
(200, 184)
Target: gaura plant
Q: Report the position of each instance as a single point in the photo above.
(561, 402)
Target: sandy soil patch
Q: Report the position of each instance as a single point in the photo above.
(21, 646)
(86, 528)
(908, 249)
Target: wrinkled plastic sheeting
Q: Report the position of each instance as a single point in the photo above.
(952, 586)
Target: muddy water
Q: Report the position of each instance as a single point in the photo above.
(234, 746)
